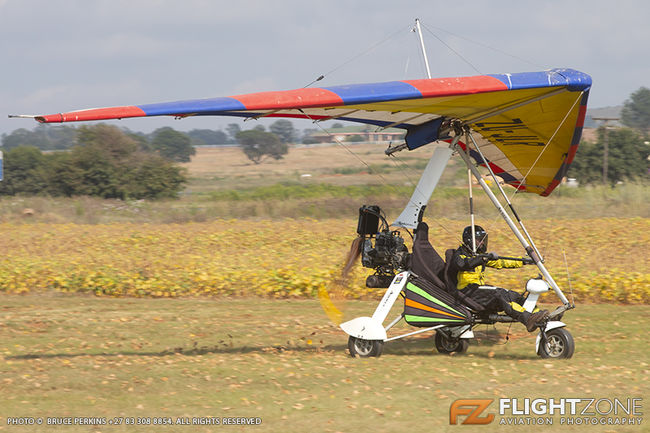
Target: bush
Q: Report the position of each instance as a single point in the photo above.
(173, 145)
(24, 171)
(106, 164)
(258, 145)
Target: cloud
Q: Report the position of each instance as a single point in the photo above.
(79, 53)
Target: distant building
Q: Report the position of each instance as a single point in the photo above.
(361, 134)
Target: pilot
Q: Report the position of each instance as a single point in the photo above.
(471, 275)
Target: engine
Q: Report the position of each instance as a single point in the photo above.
(381, 249)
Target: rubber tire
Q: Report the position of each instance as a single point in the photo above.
(447, 346)
(365, 348)
(561, 342)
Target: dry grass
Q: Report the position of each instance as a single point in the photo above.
(231, 161)
(284, 362)
(228, 167)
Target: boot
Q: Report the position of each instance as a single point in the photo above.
(535, 319)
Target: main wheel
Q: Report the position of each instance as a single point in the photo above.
(559, 345)
(445, 344)
(365, 348)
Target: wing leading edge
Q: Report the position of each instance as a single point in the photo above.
(528, 125)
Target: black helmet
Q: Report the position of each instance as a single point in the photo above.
(481, 238)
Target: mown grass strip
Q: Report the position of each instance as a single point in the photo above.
(79, 356)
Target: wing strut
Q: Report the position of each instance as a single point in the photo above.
(504, 214)
(505, 196)
(471, 205)
(424, 50)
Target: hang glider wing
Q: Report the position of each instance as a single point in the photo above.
(527, 125)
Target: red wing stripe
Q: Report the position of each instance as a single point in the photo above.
(94, 114)
(457, 86)
(300, 98)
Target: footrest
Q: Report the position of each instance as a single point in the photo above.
(558, 313)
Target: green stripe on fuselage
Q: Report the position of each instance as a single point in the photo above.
(410, 318)
(415, 289)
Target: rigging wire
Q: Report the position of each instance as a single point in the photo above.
(395, 160)
(406, 67)
(361, 54)
(370, 170)
(513, 196)
(566, 265)
(401, 165)
(451, 49)
(489, 47)
(549, 141)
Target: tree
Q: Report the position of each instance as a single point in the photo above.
(45, 137)
(257, 145)
(56, 137)
(233, 129)
(636, 110)
(173, 145)
(92, 171)
(98, 166)
(308, 136)
(142, 142)
(284, 130)
(107, 163)
(19, 137)
(155, 178)
(107, 139)
(627, 157)
(208, 137)
(24, 171)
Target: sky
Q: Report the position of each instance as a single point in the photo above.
(75, 54)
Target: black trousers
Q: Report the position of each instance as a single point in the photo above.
(495, 300)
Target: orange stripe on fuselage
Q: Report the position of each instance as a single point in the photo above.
(415, 304)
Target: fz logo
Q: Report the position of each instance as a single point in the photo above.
(471, 409)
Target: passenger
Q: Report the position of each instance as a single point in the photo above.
(471, 275)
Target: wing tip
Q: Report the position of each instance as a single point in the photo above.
(22, 116)
(39, 118)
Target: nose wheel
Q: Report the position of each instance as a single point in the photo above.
(365, 348)
(559, 345)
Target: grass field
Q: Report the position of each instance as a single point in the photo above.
(226, 167)
(282, 361)
(244, 251)
(320, 182)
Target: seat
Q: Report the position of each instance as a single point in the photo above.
(425, 260)
(427, 264)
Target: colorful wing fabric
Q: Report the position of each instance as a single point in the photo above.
(527, 125)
